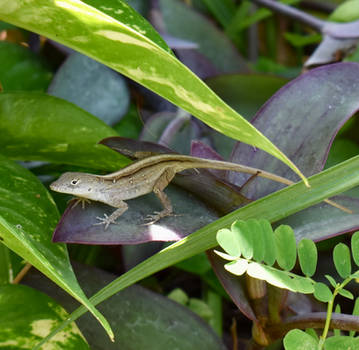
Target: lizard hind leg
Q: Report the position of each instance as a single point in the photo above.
(158, 188)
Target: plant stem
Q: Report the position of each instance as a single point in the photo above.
(292, 12)
(327, 321)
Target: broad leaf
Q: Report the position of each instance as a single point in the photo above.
(141, 319)
(21, 69)
(184, 22)
(122, 46)
(91, 86)
(27, 217)
(27, 315)
(310, 109)
(35, 126)
(235, 287)
(246, 93)
(323, 221)
(78, 225)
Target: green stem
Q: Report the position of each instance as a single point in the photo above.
(330, 311)
(327, 321)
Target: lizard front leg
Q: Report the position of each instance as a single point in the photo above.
(158, 188)
(108, 220)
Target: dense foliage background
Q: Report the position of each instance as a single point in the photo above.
(91, 85)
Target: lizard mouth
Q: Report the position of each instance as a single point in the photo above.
(54, 186)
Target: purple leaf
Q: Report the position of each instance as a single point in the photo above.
(201, 150)
(77, 225)
(324, 221)
(331, 50)
(302, 119)
(234, 285)
(140, 318)
(348, 30)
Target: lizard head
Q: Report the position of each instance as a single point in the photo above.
(78, 184)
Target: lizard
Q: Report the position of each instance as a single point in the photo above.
(151, 174)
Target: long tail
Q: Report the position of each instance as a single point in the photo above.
(219, 165)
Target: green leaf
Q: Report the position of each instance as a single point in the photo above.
(322, 292)
(185, 22)
(222, 10)
(123, 47)
(308, 256)
(246, 93)
(6, 272)
(243, 234)
(341, 257)
(355, 247)
(55, 130)
(28, 215)
(269, 242)
(355, 313)
(313, 333)
(303, 285)
(331, 280)
(273, 276)
(298, 40)
(21, 69)
(141, 318)
(257, 237)
(238, 267)
(229, 242)
(178, 295)
(346, 294)
(28, 315)
(356, 307)
(337, 310)
(285, 246)
(341, 343)
(299, 340)
(91, 86)
(200, 308)
(273, 208)
(346, 12)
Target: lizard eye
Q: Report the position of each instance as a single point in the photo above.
(74, 182)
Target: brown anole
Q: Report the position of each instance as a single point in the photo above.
(151, 174)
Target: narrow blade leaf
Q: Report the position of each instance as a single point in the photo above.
(109, 39)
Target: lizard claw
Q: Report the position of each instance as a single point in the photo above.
(157, 215)
(106, 220)
(83, 202)
(152, 218)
